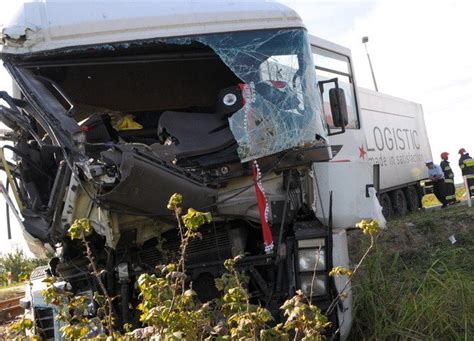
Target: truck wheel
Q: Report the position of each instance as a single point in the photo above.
(399, 203)
(413, 200)
(386, 204)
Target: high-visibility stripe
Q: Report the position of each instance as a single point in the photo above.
(449, 181)
(447, 168)
(448, 197)
(462, 166)
(470, 176)
(469, 162)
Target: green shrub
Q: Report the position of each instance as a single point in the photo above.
(18, 265)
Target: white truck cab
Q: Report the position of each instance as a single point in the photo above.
(120, 104)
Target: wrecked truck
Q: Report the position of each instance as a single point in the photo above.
(116, 107)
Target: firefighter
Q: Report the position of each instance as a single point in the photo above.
(467, 167)
(437, 177)
(449, 188)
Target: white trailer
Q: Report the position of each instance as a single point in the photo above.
(385, 145)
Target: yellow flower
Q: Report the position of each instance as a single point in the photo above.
(340, 271)
(174, 202)
(80, 227)
(370, 227)
(193, 219)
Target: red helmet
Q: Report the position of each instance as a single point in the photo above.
(444, 155)
(462, 151)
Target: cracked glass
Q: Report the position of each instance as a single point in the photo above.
(281, 105)
(282, 109)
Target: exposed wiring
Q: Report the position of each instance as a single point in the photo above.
(245, 188)
(97, 202)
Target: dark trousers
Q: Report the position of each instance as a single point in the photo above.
(439, 191)
(450, 190)
(470, 184)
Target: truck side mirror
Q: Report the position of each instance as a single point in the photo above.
(337, 100)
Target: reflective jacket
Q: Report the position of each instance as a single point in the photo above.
(467, 164)
(448, 172)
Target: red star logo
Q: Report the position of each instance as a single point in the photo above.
(362, 152)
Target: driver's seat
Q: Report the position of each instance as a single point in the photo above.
(200, 133)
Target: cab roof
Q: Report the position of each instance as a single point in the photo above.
(42, 25)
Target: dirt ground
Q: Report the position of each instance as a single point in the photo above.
(13, 291)
(5, 294)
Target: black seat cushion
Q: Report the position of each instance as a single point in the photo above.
(196, 133)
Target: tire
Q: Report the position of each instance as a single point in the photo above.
(399, 203)
(413, 200)
(386, 204)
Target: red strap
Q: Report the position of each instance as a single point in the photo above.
(262, 208)
(244, 88)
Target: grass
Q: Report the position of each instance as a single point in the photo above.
(417, 285)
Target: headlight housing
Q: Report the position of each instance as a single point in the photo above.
(319, 285)
(311, 259)
(311, 264)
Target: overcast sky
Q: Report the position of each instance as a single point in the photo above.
(420, 50)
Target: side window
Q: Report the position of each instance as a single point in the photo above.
(333, 65)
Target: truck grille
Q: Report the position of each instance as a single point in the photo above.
(44, 319)
(39, 272)
(215, 245)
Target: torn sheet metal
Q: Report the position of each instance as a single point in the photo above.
(24, 28)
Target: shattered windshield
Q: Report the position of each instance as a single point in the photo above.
(281, 108)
